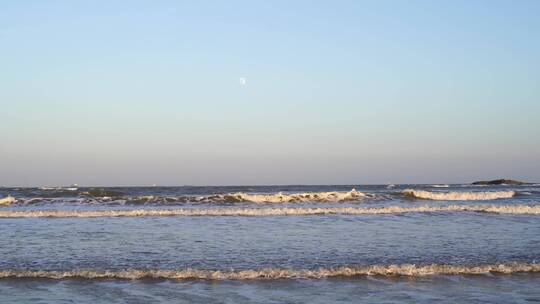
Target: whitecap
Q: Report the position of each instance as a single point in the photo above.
(410, 270)
(58, 188)
(6, 201)
(295, 197)
(255, 212)
(459, 196)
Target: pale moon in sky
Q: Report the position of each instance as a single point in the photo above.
(243, 80)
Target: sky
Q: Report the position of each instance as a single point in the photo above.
(268, 92)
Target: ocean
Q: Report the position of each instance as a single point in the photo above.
(271, 244)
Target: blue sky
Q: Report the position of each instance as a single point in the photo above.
(149, 92)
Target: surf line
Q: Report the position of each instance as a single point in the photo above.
(275, 273)
(259, 212)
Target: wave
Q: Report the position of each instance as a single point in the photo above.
(255, 212)
(276, 273)
(459, 196)
(440, 186)
(58, 188)
(6, 201)
(100, 192)
(109, 197)
(139, 200)
(296, 197)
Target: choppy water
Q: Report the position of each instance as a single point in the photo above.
(271, 244)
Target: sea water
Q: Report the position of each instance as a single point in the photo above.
(271, 244)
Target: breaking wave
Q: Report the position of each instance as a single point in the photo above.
(296, 197)
(440, 186)
(100, 196)
(58, 188)
(276, 273)
(459, 196)
(255, 212)
(6, 201)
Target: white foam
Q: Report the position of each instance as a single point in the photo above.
(6, 201)
(508, 209)
(295, 197)
(440, 186)
(277, 273)
(273, 198)
(459, 196)
(59, 188)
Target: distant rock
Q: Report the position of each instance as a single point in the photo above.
(499, 182)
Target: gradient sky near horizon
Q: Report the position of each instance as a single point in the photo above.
(336, 92)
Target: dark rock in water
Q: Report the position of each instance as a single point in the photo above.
(499, 182)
